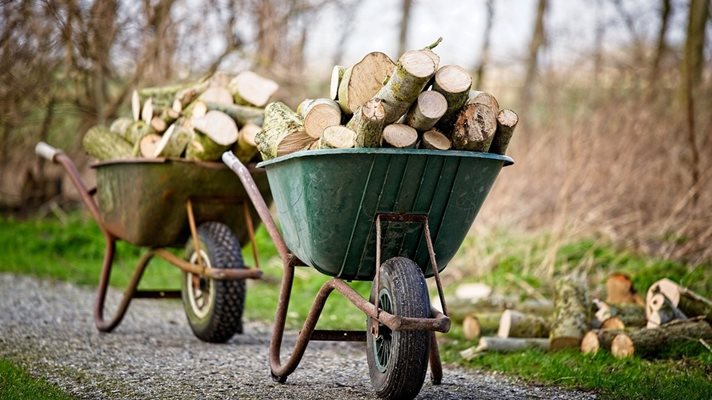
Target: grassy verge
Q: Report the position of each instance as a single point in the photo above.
(73, 251)
(15, 383)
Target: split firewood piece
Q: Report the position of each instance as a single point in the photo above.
(367, 122)
(147, 145)
(687, 301)
(216, 94)
(435, 140)
(598, 339)
(504, 345)
(175, 140)
(650, 342)
(361, 81)
(282, 132)
(426, 111)
(632, 315)
(135, 105)
(506, 122)
(479, 324)
(245, 149)
(474, 128)
(620, 289)
(120, 126)
(147, 111)
(102, 144)
(613, 323)
(318, 115)
(249, 88)
(399, 136)
(188, 95)
(661, 311)
(571, 313)
(337, 137)
(337, 73)
(214, 133)
(454, 83)
(516, 324)
(479, 97)
(243, 115)
(409, 78)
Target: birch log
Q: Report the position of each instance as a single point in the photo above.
(102, 144)
(214, 133)
(409, 78)
(249, 88)
(426, 111)
(506, 122)
(136, 131)
(454, 83)
(367, 123)
(399, 136)
(474, 128)
(571, 314)
(360, 82)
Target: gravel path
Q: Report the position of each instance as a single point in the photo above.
(47, 327)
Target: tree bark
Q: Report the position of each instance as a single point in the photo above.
(400, 136)
(136, 131)
(102, 144)
(519, 325)
(650, 342)
(426, 111)
(571, 314)
(687, 301)
(363, 80)
(474, 128)
(506, 122)
(479, 97)
(411, 75)
(454, 84)
(367, 123)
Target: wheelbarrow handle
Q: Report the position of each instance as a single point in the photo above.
(46, 151)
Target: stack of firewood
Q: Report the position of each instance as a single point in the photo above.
(411, 103)
(623, 323)
(197, 121)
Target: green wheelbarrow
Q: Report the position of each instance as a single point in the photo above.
(344, 211)
(164, 203)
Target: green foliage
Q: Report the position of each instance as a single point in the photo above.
(15, 383)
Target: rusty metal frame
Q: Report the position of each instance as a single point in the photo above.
(439, 322)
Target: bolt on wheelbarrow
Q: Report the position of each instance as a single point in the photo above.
(344, 211)
(164, 203)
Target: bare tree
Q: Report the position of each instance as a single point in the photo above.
(661, 44)
(406, 7)
(484, 54)
(537, 41)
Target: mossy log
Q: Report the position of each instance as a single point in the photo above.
(435, 140)
(120, 126)
(245, 149)
(361, 81)
(474, 128)
(337, 137)
(162, 97)
(504, 345)
(100, 143)
(454, 83)
(249, 88)
(337, 73)
(399, 136)
(368, 123)
(175, 140)
(480, 324)
(282, 132)
(572, 317)
(687, 301)
(519, 325)
(506, 122)
(136, 131)
(410, 76)
(243, 115)
(651, 342)
(426, 111)
(319, 114)
(598, 339)
(202, 148)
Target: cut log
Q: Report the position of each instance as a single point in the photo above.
(506, 122)
(426, 111)
(135, 106)
(519, 325)
(361, 81)
(161, 96)
(243, 115)
(478, 97)
(399, 136)
(147, 145)
(202, 148)
(216, 94)
(158, 125)
(249, 88)
(620, 290)
(218, 126)
(189, 94)
(136, 132)
(571, 314)
(661, 311)
(120, 126)
(175, 140)
(459, 309)
(102, 144)
(337, 137)
(508, 345)
(245, 149)
(650, 342)
(318, 115)
(337, 73)
(435, 140)
(476, 325)
(147, 111)
(367, 123)
(474, 128)
(196, 109)
(454, 83)
(632, 315)
(687, 301)
(282, 132)
(595, 340)
(613, 323)
(409, 78)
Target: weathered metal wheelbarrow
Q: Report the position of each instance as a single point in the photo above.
(161, 203)
(343, 212)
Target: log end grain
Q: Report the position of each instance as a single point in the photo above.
(435, 140)
(399, 136)
(453, 79)
(417, 63)
(337, 137)
(590, 343)
(622, 346)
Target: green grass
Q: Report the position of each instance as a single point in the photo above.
(15, 383)
(73, 251)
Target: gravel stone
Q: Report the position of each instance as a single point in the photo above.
(47, 327)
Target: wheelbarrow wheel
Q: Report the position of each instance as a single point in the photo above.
(398, 360)
(214, 307)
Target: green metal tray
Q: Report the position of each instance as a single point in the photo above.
(143, 201)
(327, 202)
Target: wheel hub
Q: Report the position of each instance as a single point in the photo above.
(199, 288)
(382, 342)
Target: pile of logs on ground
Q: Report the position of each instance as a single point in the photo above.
(197, 121)
(622, 324)
(414, 102)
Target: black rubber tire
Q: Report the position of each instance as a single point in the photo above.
(400, 373)
(222, 316)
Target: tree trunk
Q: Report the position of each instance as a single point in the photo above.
(102, 144)
(661, 46)
(363, 80)
(484, 54)
(435, 140)
(537, 41)
(400, 136)
(650, 342)
(595, 340)
(406, 6)
(476, 325)
(571, 314)
(516, 324)
(426, 111)
(687, 301)
(474, 128)
(454, 84)
(411, 75)
(506, 122)
(368, 123)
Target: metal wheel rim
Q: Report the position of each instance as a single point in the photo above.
(382, 342)
(199, 288)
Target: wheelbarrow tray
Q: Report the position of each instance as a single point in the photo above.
(327, 202)
(143, 201)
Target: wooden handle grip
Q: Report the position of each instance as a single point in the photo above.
(46, 151)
